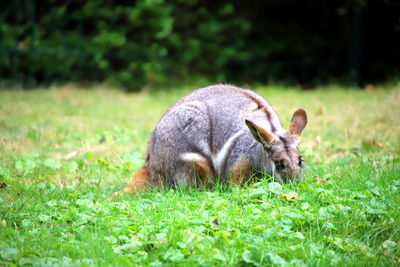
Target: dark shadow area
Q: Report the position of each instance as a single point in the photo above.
(150, 43)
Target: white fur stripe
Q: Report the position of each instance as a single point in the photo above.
(220, 158)
(217, 159)
(192, 157)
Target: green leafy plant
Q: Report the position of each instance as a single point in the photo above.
(55, 209)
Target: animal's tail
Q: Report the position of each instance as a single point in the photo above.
(140, 181)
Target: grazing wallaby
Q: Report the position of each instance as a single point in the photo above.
(220, 133)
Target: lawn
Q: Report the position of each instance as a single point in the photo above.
(63, 150)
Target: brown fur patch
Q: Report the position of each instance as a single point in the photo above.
(140, 181)
(241, 172)
(205, 173)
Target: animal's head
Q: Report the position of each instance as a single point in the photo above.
(281, 155)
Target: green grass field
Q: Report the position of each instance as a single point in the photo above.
(63, 150)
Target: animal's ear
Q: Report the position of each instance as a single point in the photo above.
(298, 122)
(260, 134)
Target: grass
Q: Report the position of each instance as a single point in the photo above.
(62, 151)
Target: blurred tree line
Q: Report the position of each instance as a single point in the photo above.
(150, 42)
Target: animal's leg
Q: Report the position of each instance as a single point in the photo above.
(198, 169)
(140, 181)
(240, 172)
(204, 174)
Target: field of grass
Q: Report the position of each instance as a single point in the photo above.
(63, 150)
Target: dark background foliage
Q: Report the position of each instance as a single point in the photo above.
(150, 42)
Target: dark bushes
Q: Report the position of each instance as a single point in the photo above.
(137, 43)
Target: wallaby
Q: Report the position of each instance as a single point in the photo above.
(220, 134)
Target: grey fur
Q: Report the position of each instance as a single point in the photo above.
(203, 121)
